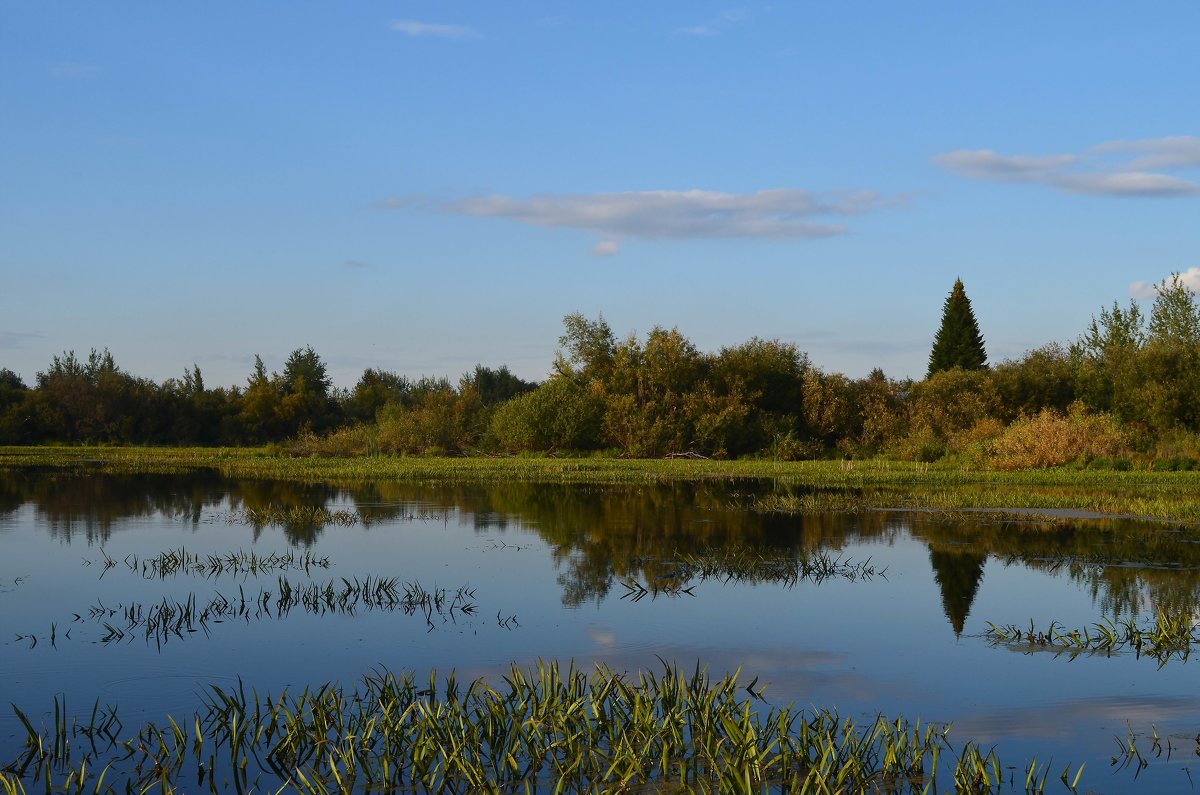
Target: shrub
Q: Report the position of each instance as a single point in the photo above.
(1050, 439)
(350, 441)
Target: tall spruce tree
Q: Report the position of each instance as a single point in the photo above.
(958, 342)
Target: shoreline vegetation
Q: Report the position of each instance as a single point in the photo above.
(1124, 395)
(1055, 494)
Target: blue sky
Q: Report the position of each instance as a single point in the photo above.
(422, 186)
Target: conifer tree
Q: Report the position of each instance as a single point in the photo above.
(958, 342)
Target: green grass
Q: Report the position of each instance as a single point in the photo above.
(1170, 637)
(542, 727)
(800, 487)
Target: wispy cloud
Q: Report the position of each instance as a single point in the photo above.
(355, 264)
(1092, 172)
(1179, 151)
(780, 214)
(70, 70)
(12, 340)
(605, 248)
(1190, 279)
(415, 29)
(398, 202)
(714, 26)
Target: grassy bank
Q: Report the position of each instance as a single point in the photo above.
(799, 487)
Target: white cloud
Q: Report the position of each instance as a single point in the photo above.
(605, 248)
(1190, 279)
(1090, 173)
(412, 27)
(782, 214)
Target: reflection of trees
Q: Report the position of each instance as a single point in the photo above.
(600, 533)
(89, 506)
(958, 574)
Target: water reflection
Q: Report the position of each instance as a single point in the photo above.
(600, 535)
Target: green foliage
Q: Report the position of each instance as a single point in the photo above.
(374, 390)
(1147, 377)
(958, 342)
(763, 384)
(495, 385)
(260, 404)
(1175, 317)
(880, 414)
(1043, 378)
(444, 422)
(558, 415)
(304, 372)
(829, 411)
(943, 406)
(588, 349)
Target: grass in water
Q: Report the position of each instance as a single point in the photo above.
(1170, 637)
(175, 562)
(685, 570)
(563, 730)
(173, 619)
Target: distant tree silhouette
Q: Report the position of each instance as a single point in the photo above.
(958, 342)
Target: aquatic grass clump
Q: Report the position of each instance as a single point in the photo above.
(174, 562)
(544, 726)
(743, 565)
(174, 619)
(1170, 637)
(295, 515)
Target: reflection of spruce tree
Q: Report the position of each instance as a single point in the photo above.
(958, 575)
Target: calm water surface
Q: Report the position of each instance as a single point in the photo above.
(605, 574)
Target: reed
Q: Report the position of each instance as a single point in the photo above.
(683, 571)
(1170, 637)
(175, 619)
(543, 727)
(175, 562)
(294, 515)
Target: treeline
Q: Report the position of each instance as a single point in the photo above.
(1127, 390)
(94, 401)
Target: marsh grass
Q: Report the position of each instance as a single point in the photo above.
(681, 573)
(239, 563)
(295, 516)
(541, 728)
(1170, 637)
(175, 619)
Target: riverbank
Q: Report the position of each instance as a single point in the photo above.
(797, 487)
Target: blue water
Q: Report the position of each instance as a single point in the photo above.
(545, 565)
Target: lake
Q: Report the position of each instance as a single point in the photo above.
(132, 590)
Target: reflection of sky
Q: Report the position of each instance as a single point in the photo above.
(878, 645)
